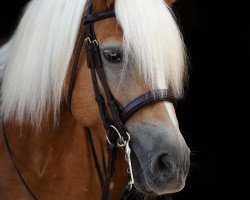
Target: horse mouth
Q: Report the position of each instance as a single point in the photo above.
(141, 189)
(146, 187)
(134, 194)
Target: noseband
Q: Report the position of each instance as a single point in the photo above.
(116, 133)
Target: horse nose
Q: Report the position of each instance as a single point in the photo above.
(167, 166)
(163, 162)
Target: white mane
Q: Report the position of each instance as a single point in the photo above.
(42, 46)
(39, 58)
(4, 53)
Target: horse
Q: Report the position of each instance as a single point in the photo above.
(53, 133)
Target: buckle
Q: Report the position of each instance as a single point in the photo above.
(89, 41)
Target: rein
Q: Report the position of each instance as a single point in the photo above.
(19, 175)
(116, 133)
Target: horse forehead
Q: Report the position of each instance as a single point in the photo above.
(100, 5)
(108, 29)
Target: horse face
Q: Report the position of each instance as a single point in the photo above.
(160, 155)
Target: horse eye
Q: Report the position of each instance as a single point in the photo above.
(113, 56)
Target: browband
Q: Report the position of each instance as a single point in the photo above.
(99, 16)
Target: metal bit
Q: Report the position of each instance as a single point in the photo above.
(128, 158)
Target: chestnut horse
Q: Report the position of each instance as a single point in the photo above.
(142, 49)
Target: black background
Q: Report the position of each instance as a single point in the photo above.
(218, 47)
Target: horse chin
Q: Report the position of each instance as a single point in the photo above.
(141, 188)
(135, 194)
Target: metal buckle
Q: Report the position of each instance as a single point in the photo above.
(130, 170)
(89, 41)
(95, 42)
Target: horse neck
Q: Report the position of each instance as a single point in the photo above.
(51, 151)
(59, 157)
(33, 142)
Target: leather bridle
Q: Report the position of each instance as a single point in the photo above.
(116, 133)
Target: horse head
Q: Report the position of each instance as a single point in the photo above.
(139, 50)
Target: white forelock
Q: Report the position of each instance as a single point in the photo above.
(152, 36)
(42, 46)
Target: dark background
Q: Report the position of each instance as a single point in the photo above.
(218, 47)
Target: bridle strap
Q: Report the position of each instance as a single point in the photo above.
(98, 16)
(96, 66)
(144, 100)
(89, 18)
(112, 154)
(74, 71)
(111, 102)
(93, 150)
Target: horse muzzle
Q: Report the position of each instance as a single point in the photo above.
(160, 159)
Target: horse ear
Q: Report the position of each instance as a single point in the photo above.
(170, 2)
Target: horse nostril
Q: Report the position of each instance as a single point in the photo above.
(163, 161)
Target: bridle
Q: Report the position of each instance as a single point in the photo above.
(116, 133)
